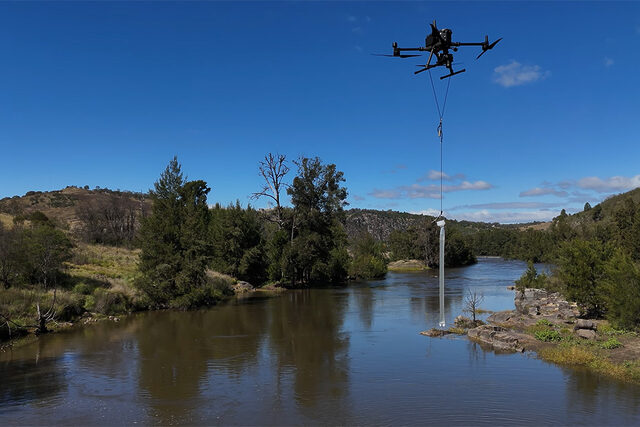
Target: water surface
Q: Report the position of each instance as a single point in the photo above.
(325, 356)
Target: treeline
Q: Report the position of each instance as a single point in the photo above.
(597, 256)
(421, 241)
(183, 239)
(32, 251)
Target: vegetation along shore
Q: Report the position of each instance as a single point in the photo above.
(77, 254)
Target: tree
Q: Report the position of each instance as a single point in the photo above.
(581, 270)
(531, 278)
(273, 169)
(622, 291)
(587, 207)
(174, 242)
(45, 249)
(9, 256)
(318, 250)
(368, 260)
(472, 303)
(596, 213)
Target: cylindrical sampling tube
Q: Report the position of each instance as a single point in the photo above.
(441, 273)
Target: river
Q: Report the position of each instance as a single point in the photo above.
(347, 355)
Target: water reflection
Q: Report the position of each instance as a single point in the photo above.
(306, 339)
(327, 356)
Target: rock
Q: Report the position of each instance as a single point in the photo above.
(539, 302)
(501, 317)
(242, 287)
(588, 334)
(461, 320)
(497, 337)
(585, 324)
(511, 288)
(433, 332)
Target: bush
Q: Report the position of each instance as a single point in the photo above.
(543, 322)
(548, 335)
(611, 343)
(621, 291)
(531, 279)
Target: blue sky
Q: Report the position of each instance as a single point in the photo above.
(105, 93)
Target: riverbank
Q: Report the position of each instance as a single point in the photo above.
(546, 324)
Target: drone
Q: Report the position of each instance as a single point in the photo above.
(438, 43)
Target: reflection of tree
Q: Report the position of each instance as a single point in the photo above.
(176, 349)
(305, 335)
(28, 380)
(587, 390)
(366, 301)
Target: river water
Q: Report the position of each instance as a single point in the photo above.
(348, 355)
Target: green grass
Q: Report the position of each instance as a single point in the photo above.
(548, 336)
(575, 355)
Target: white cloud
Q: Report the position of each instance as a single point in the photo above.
(434, 175)
(509, 205)
(430, 212)
(614, 183)
(385, 194)
(608, 62)
(485, 215)
(534, 192)
(357, 198)
(516, 74)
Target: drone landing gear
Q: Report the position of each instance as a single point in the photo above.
(453, 74)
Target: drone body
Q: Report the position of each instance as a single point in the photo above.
(439, 43)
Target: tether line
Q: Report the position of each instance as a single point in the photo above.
(440, 133)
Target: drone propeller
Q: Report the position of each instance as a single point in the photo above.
(393, 56)
(486, 46)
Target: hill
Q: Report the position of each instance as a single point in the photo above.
(66, 207)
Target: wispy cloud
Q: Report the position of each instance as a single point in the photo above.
(434, 175)
(509, 205)
(608, 62)
(538, 191)
(431, 191)
(614, 183)
(508, 217)
(357, 198)
(516, 74)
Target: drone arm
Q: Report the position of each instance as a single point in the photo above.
(466, 44)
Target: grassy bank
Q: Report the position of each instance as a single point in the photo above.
(614, 353)
(98, 281)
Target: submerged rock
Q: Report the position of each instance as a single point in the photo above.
(434, 332)
(497, 337)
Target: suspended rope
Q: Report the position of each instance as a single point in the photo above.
(440, 133)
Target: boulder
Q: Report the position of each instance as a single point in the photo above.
(501, 317)
(539, 302)
(242, 287)
(588, 334)
(585, 324)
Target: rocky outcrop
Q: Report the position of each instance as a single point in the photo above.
(587, 334)
(497, 337)
(539, 302)
(241, 287)
(433, 332)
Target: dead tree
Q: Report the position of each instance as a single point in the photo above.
(273, 169)
(472, 303)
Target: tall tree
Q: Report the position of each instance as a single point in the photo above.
(273, 169)
(318, 248)
(173, 241)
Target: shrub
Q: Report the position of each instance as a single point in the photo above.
(543, 322)
(548, 335)
(531, 279)
(611, 343)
